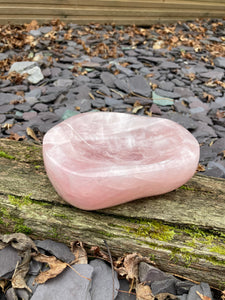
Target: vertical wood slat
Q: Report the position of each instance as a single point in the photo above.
(140, 12)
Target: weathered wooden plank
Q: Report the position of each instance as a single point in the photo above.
(140, 12)
(112, 12)
(184, 244)
(110, 3)
(114, 2)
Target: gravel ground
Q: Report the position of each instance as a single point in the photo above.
(177, 71)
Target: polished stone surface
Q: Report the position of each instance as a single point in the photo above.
(101, 159)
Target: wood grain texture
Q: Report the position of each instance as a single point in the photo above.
(182, 231)
(125, 12)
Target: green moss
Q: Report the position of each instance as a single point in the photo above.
(22, 228)
(61, 216)
(185, 187)
(218, 249)
(37, 167)
(104, 233)
(5, 155)
(18, 201)
(152, 229)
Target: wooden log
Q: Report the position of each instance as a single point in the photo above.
(182, 231)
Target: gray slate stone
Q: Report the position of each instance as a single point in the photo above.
(60, 250)
(219, 62)
(30, 68)
(214, 74)
(68, 285)
(124, 286)
(8, 261)
(204, 130)
(63, 82)
(150, 274)
(112, 102)
(102, 285)
(84, 104)
(181, 119)
(123, 85)
(166, 94)
(218, 145)
(140, 86)
(108, 79)
(166, 85)
(203, 289)
(164, 286)
(6, 98)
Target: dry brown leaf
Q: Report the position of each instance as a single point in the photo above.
(7, 126)
(200, 168)
(223, 295)
(79, 252)
(18, 278)
(191, 76)
(202, 296)
(136, 109)
(32, 25)
(99, 253)
(91, 96)
(131, 265)
(149, 113)
(16, 137)
(31, 133)
(56, 267)
(220, 114)
(165, 296)
(208, 97)
(3, 284)
(143, 292)
(19, 241)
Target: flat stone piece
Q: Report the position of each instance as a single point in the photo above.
(101, 159)
(102, 284)
(140, 86)
(68, 285)
(59, 250)
(8, 260)
(30, 68)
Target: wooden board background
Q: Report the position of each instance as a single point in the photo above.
(121, 12)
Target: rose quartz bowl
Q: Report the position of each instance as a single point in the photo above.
(100, 159)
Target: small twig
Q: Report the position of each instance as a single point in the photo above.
(111, 262)
(78, 273)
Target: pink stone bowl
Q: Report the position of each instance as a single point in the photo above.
(101, 159)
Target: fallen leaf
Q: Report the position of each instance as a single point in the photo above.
(165, 296)
(18, 278)
(131, 264)
(220, 114)
(99, 253)
(16, 137)
(191, 76)
(208, 97)
(202, 296)
(19, 241)
(31, 133)
(79, 252)
(56, 267)
(223, 295)
(200, 168)
(3, 284)
(143, 292)
(136, 109)
(33, 25)
(7, 126)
